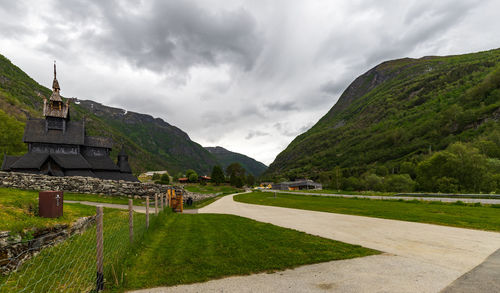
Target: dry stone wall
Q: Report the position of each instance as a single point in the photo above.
(79, 184)
(14, 251)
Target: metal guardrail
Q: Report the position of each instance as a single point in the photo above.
(450, 195)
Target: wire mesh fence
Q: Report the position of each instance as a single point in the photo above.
(69, 264)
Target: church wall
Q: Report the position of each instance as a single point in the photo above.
(54, 148)
(94, 151)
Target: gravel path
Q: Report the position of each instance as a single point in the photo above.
(418, 257)
(426, 198)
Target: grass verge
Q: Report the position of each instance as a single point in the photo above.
(196, 248)
(459, 214)
(19, 209)
(212, 188)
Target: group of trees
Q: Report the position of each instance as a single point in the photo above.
(460, 168)
(161, 179)
(235, 173)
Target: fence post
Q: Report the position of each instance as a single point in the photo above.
(147, 212)
(99, 248)
(166, 200)
(161, 202)
(131, 220)
(156, 204)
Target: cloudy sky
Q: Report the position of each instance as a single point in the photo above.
(246, 75)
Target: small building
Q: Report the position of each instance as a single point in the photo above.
(183, 180)
(58, 146)
(297, 185)
(204, 179)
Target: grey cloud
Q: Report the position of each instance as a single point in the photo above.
(256, 133)
(281, 106)
(170, 34)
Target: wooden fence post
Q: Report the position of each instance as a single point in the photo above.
(147, 212)
(99, 248)
(131, 220)
(156, 204)
(166, 200)
(161, 202)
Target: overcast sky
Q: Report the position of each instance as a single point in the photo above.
(246, 75)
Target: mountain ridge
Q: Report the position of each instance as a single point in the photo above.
(396, 112)
(226, 157)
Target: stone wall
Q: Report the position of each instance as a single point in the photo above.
(79, 184)
(14, 251)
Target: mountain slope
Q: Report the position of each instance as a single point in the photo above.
(399, 111)
(151, 143)
(226, 157)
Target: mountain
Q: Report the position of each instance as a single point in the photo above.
(152, 144)
(400, 111)
(226, 157)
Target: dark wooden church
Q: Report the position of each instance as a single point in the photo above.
(58, 146)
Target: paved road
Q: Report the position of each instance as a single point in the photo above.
(418, 257)
(483, 278)
(443, 199)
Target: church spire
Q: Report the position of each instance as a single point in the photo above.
(55, 83)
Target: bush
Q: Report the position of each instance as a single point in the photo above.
(399, 183)
(374, 182)
(352, 183)
(447, 184)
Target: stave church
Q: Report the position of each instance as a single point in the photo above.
(58, 146)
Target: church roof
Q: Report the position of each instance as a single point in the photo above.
(98, 141)
(35, 131)
(8, 161)
(115, 176)
(30, 161)
(68, 161)
(83, 173)
(102, 163)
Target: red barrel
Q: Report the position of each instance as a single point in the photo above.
(50, 204)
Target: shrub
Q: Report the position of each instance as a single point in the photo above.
(399, 183)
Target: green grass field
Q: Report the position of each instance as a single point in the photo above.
(18, 209)
(458, 214)
(211, 188)
(196, 248)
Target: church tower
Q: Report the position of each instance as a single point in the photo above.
(56, 112)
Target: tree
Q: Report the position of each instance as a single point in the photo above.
(374, 182)
(193, 176)
(250, 180)
(399, 183)
(156, 176)
(217, 175)
(235, 169)
(165, 179)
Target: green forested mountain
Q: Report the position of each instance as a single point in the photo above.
(403, 116)
(226, 157)
(151, 143)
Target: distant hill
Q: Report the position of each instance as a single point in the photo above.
(151, 143)
(400, 111)
(226, 157)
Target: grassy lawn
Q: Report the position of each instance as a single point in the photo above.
(475, 216)
(212, 188)
(329, 191)
(18, 209)
(380, 193)
(196, 248)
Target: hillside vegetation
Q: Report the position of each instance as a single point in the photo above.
(427, 124)
(151, 143)
(226, 157)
